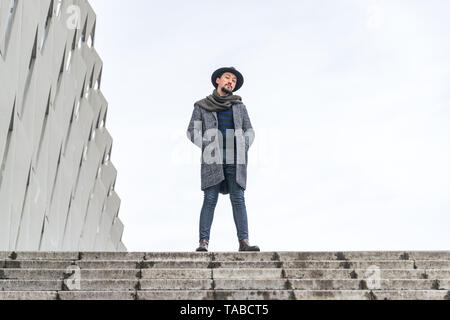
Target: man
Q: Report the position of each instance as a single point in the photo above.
(221, 127)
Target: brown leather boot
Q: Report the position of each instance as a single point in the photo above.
(244, 245)
(203, 246)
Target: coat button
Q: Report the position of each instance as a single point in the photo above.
(215, 123)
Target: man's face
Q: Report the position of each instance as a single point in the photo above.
(227, 82)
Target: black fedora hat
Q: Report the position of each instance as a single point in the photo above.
(218, 73)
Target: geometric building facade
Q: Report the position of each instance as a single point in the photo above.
(56, 177)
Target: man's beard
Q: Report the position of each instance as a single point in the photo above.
(225, 90)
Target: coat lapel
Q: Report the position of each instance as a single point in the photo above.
(237, 117)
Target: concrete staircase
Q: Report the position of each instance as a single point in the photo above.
(225, 275)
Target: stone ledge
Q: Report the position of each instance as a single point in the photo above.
(230, 256)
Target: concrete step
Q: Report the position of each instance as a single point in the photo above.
(128, 264)
(56, 285)
(229, 295)
(174, 273)
(432, 264)
(328, 274)
(285, 284)
(31, 285)
(225, 273)
(391, 284)
(59, 264)
(295, 295)
(366, 255)
(28, 295)
(61, 274)
(230, 256)
(244, 273)
(203, 284)
(39, 255)
(152, 256)
(176, 284)
(97, 295)
(222, 284)
(215, 295)
(278, 273)
(372, 295)
(381, 264)
(339, 256)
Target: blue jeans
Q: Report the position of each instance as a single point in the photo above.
(211, 195)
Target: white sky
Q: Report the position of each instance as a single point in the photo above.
(349, 101)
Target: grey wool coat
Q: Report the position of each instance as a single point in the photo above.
(203, 131)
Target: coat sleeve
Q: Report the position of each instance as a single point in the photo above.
(247, 127)
(194, 131)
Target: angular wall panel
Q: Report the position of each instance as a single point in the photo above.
(56, 178)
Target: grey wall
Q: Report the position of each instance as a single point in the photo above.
(56, 177)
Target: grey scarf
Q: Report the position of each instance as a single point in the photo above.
(215, 102)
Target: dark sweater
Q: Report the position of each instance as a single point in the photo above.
(226, 122)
